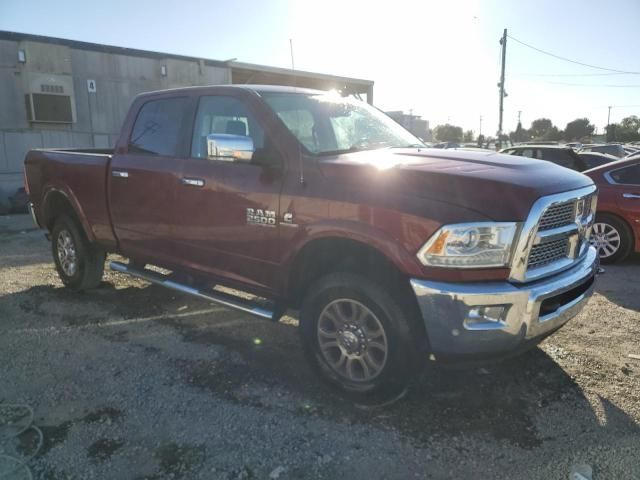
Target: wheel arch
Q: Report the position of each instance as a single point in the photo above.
(635, 235)
(618, 217)
(331, 254)
(58, 202)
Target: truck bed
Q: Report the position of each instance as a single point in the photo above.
(78, 176)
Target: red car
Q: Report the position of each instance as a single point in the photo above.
(616, 232)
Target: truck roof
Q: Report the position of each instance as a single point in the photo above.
(254, 88)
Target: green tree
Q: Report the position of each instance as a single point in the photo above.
(577, 129)
(553, 134)
(628, 130)
(448, 133)
(519, 135)
(540, 127)
(468, 136)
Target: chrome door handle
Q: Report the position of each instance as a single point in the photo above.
(193, 182)
(630, 195)
(119, 174)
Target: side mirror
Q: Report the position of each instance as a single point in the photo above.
(229, 148)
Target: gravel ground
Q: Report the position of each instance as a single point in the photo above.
(132, 381)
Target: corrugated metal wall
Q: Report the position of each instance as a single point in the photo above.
(118, 79)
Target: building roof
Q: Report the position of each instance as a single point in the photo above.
(240, 66)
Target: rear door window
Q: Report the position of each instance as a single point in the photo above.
(627, 176)
(159, 126)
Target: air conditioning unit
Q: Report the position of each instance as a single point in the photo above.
(50, 99)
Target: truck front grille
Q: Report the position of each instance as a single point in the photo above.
(555, 235)
(548, 252)
(558, 215)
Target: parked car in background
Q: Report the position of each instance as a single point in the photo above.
(616, 232)
(560, 155)
(575, 145)
(610, 148)
(594, 159)
(631, 150)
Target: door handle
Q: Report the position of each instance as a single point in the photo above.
(119, 174)
(192, 182)
(631, 195)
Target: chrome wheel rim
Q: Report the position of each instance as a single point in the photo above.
(352, 340)
(67, 255)
(606, 239)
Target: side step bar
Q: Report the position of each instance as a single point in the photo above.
(217, 297)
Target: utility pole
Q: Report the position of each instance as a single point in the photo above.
(519, 113)
(608, 123)
(480, 133)
(503, 42)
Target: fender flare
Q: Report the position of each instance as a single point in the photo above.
(354, 231)
(75, 206)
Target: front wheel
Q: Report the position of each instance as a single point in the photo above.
(79, 263)
(612, 238)
(358, 336)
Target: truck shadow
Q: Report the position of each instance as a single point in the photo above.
(503, 400)
(619, 284)
(263, 366)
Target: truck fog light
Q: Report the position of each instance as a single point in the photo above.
(488, 317)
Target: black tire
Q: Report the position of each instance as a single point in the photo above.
(89, 263)
(403, 360)
(622, 248)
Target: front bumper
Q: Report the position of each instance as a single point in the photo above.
(531, 311)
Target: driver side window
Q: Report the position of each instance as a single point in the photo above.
(227, 115)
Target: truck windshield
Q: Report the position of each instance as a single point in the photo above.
(329, 124)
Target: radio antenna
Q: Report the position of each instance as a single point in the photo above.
(295, 91)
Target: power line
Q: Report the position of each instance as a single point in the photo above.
(567, 74)
(569, 60)
(593, 86)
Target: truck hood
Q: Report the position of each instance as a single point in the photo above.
(500, 187)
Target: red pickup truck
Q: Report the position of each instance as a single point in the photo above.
(318, 204)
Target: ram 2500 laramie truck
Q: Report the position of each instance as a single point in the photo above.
(319, 204)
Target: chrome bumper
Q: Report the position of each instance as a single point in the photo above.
(530, 311)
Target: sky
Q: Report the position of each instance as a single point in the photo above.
(439, 59)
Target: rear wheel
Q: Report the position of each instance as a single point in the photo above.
(358, 336)
(611, 237)
(80, 264)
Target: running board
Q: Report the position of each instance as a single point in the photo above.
(216, 297)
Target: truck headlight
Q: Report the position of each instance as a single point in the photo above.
(470, 245)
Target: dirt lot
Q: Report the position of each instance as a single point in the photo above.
(135, 382)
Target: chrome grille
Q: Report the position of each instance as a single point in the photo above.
(554, 235)
(548, 252)
(558, 215)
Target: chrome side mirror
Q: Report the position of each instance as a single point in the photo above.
(229, 148)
